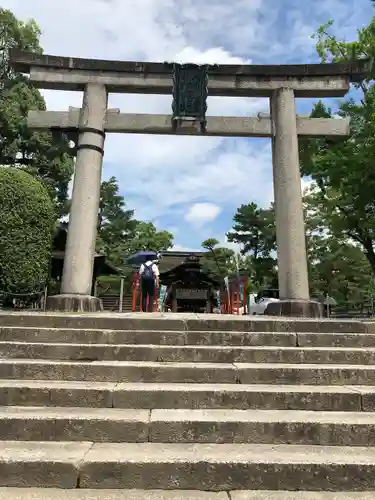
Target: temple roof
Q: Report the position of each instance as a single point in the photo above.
(101, 266)
(190, 274)
(171, 259)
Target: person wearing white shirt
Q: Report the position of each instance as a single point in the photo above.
(149, 274)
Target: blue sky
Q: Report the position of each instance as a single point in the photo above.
(188, 185)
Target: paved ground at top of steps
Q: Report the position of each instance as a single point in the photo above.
(58, 494)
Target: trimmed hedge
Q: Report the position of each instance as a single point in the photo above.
(27, 219)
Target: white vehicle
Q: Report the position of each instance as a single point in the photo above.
(259, 302)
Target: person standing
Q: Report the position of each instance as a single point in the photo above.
(149, 273)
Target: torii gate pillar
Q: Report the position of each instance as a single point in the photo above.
(83, 216)
(290, 225)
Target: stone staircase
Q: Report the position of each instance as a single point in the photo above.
(136, 407)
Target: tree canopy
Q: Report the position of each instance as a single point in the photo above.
(43, 155)
(343, 171)
(218, 262)
(255, 231)
(119, 233)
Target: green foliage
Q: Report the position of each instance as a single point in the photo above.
(119, 234)
(218, 262)
(116, 225)
(44, 156)
(337, 266)
(340, 270)
(254, 229)
(147, 237)
(15, 34)
(330, 49)
(343, 170)
(27, 221)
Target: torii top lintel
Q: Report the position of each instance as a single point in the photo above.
(69, 73)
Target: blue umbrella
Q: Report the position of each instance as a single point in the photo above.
(141, 257)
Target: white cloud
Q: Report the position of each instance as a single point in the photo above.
(182, 248)
(307, 185)
(201, 213)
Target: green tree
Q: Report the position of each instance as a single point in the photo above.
(343, 171)
(119, 233)
(116, 225)
(254, 229)
(218, 262)
(340, 270)
(15, 34)
(27, 222)
(41, 154)
(147, 237)
(337, 265)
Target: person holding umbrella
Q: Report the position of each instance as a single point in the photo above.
(149, 275)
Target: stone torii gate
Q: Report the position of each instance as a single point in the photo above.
(88, 125)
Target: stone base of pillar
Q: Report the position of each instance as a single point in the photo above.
(73, 303)
(295, 309)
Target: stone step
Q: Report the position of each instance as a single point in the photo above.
(209, 467)
(188, 353)
(171, 395)
(119, 371)
(182, 322)
(286, 495)
(150, 371)
(115, 494)
(122, 494)
(155, 337)
(181, 338)
(187, 426)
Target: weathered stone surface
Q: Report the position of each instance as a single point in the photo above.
(167, 395)
(187, 426)
(263, 426)
(23, 61)
(161, 124)
(295, 309)
(118, 371)
(236, 396)
(181, 372)
(25, 464)
(226, 467)
(73, 303)
(187, 353)
(205, 467)
(80, 494)
(74, 424)
(253, 373)
(154, 337)
(299, 495)
(347, 340)
(180, 322)
(56, 393)
(186, 402)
